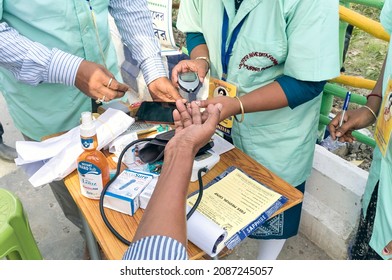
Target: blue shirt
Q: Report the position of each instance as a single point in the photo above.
(156, 248)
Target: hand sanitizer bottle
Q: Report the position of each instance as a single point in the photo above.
(93, 168)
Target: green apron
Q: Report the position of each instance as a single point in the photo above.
(273, 41)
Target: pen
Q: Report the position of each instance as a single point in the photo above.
(345, 107)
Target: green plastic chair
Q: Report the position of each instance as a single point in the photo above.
(16, 239)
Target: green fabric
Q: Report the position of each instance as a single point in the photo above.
(381, 169)
(44, 22)
(290, 37)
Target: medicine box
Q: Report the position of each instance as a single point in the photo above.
(123, 194)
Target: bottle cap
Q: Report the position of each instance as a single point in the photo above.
(87, 128)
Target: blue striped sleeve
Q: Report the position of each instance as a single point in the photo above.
(156, 248)
(33, 63)
(134, 23)
(299, 92)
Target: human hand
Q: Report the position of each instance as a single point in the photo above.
(199, 66)
(353, 120)
(230, 106)
(191, 131)
(388, 250)
(97, 82)
(163, 90)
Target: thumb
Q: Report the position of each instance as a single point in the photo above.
(214, 111)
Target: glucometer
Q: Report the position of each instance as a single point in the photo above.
(189, 85)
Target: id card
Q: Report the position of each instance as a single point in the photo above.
(383, 131)
(221, 88)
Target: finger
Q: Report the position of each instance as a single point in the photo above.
(195, 112)
(185, 116)
(214, 111)
(177, 121)
(202, 103)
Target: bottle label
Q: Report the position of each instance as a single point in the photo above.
(87, 143)
(90, 177)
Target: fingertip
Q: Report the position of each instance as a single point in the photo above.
(219, 106)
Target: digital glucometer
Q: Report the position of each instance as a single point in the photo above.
(189, 85)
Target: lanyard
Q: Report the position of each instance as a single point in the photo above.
(225, 54)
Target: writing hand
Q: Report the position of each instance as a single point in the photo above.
(353, 120)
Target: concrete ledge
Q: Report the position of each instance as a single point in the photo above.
(332, 202)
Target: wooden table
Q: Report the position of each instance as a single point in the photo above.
(126, 225)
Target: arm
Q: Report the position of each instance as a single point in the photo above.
(165, 214)
(133, 20)
(33, 63)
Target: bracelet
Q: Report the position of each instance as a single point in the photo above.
(373, 94)
(242, 111)
(371, 111)
(206, 59)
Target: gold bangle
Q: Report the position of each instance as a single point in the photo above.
(242, 111)
(371, 111)
(206, 59)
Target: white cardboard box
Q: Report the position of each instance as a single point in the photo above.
(123, 194)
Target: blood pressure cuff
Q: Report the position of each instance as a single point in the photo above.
(154, 150)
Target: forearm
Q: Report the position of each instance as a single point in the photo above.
(33, 63)
(269, 97)
(133, 20)
(165, 214)
(374, 101)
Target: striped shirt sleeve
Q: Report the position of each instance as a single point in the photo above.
(156, 248)
(133, 20)
(33, 63)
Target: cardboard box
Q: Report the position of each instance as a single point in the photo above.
(123, 194)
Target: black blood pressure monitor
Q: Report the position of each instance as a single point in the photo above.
(189, 85)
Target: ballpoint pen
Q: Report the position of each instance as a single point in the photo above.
(345, 107)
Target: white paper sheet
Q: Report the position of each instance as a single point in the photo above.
(58, 155)
(205, 234)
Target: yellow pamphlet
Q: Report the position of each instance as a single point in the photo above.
(383, 131)
(236, 205)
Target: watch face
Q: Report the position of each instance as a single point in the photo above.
(188, 77)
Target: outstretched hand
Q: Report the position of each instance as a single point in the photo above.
(97, 82)
(191, 131)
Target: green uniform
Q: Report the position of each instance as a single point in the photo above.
(381, 169)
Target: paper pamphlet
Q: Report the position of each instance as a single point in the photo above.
(221, 88)
(383, 131)
(232, 207)
(161, 13)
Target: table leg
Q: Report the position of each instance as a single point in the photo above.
(92, 244)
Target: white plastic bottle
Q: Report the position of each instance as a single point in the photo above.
(93, 168)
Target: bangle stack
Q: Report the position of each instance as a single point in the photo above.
(242, 111)
(371, 111)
